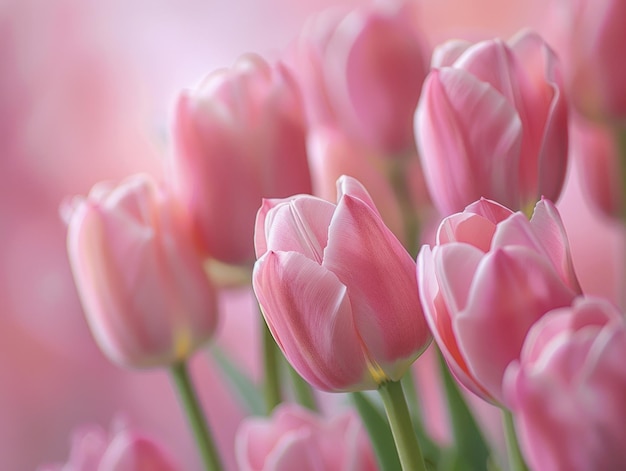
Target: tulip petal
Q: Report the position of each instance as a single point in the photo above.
(309, 313)
(437, 315)
(446, 54)
(469, 138)
(466, 227)
(380, 277)
(299, 225)
(513, 287)
(548, 226)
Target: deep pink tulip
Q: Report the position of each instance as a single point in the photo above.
(595, 149)
(492, 274)
(337, 290)
(492, 123)
(238, 138)
(295, 438)
(122, 450)
(363, 73)
(567, 390)
(595, 39)
(146, 297)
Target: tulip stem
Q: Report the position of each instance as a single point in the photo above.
(516, 460)
(302, 390)
(271, 385)
(402, 430)
(195, 417)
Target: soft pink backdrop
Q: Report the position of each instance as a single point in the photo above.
(85, 93)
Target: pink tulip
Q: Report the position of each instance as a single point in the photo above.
(363, 73)
(337, 290)
(122, 450)
(238, 138)
(492, 274)
(140, 279)
(595, 39)
(567, 390)
(295, 438)
(595, 149)
(492, 123)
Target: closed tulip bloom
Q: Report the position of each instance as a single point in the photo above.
(238, 138)
(295, 438)
(337, 290)
(490, 276)
(567, 390)
(595, 40)
(596, 151)
(122, 450)
(492, 123)
(363, 72)
(139, 276)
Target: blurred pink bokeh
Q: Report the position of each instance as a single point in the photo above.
(85, 94)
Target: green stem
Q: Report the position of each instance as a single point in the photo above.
(302, 390)
(516, 460)
(400, 421)
(271, 385)
(195, 417)
(399, 183)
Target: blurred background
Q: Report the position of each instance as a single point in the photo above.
(86, 91)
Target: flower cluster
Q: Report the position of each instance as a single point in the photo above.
(447, 166)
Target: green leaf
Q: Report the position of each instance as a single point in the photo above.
(468, 438)
(379, 432)
(249, 396)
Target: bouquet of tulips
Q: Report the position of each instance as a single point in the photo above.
(376, 195)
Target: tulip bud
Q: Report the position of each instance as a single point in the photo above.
(122, 450)
(567, 390)
(492, 123)
(337, 290)
(363, 73)
(295, 438)
(492, 274)
(139, 276)
(238, 138)
(595, 38)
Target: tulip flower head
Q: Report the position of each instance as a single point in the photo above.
(492, 123)
(567, 390)
(123, 449)
(337, 290)
(295, 438)
(146, 297)
(490, 276)
(238, 138)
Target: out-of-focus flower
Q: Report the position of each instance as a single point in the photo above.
(363, 73)
(146, 297)
(594, 41)
(492, 123)
(594, 148)
(337, 290)
(492, 274)
(567, 390)
(295, 438)
(121, 450)
(238, 138)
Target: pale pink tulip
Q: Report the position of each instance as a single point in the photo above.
(594, 39)
(238, 138)
(567, 390)
(146, 297)
(296, 438)
(492, 274)
(492, 123)
(121, 450)
(595, 150)
(363, 73)
(337, 290)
